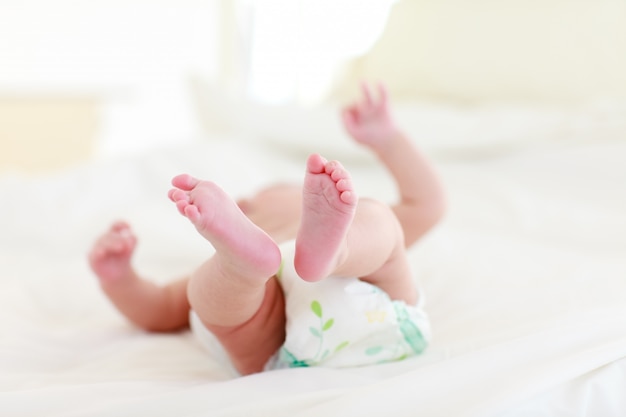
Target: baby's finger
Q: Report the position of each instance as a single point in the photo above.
(120, 225)
(382, 94)
(367, 95)
(115, 242)
(349, 117)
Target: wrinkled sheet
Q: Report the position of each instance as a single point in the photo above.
(525, 283)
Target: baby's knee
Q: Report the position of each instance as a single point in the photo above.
(382, 215)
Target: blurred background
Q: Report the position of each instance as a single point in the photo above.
(92, 79)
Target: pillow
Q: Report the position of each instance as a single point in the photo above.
(443, 129)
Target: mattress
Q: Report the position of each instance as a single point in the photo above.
(525, 282)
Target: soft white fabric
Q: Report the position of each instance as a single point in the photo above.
(525, 283)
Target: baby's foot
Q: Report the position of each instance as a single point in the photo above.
(246, 248)
(329, 204)
(110, 256)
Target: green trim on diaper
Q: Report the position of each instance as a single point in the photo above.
(284, 356)
(411, 333)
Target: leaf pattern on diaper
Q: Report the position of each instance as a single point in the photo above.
(341, 345)
(376, 316)
(316, 307)
(318, 332)
(325, 325)
(374, 350)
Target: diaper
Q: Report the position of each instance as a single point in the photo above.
(345, 322)
(337, 322)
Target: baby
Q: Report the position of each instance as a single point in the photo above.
(301, 276)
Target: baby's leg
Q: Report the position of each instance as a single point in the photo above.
(346, 237)
(147, 305)
(232, 292)
(329, 204)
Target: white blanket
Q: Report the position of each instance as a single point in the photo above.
(525, 283)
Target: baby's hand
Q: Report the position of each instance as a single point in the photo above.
(368, 120)
(110, 256)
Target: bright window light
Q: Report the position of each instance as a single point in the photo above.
(297, 46)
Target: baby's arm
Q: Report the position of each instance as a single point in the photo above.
(147, 305)
(422, 200)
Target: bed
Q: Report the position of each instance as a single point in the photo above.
(525, 279)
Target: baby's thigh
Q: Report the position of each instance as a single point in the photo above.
(252, 344)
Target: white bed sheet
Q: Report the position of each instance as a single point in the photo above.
(525, 283)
